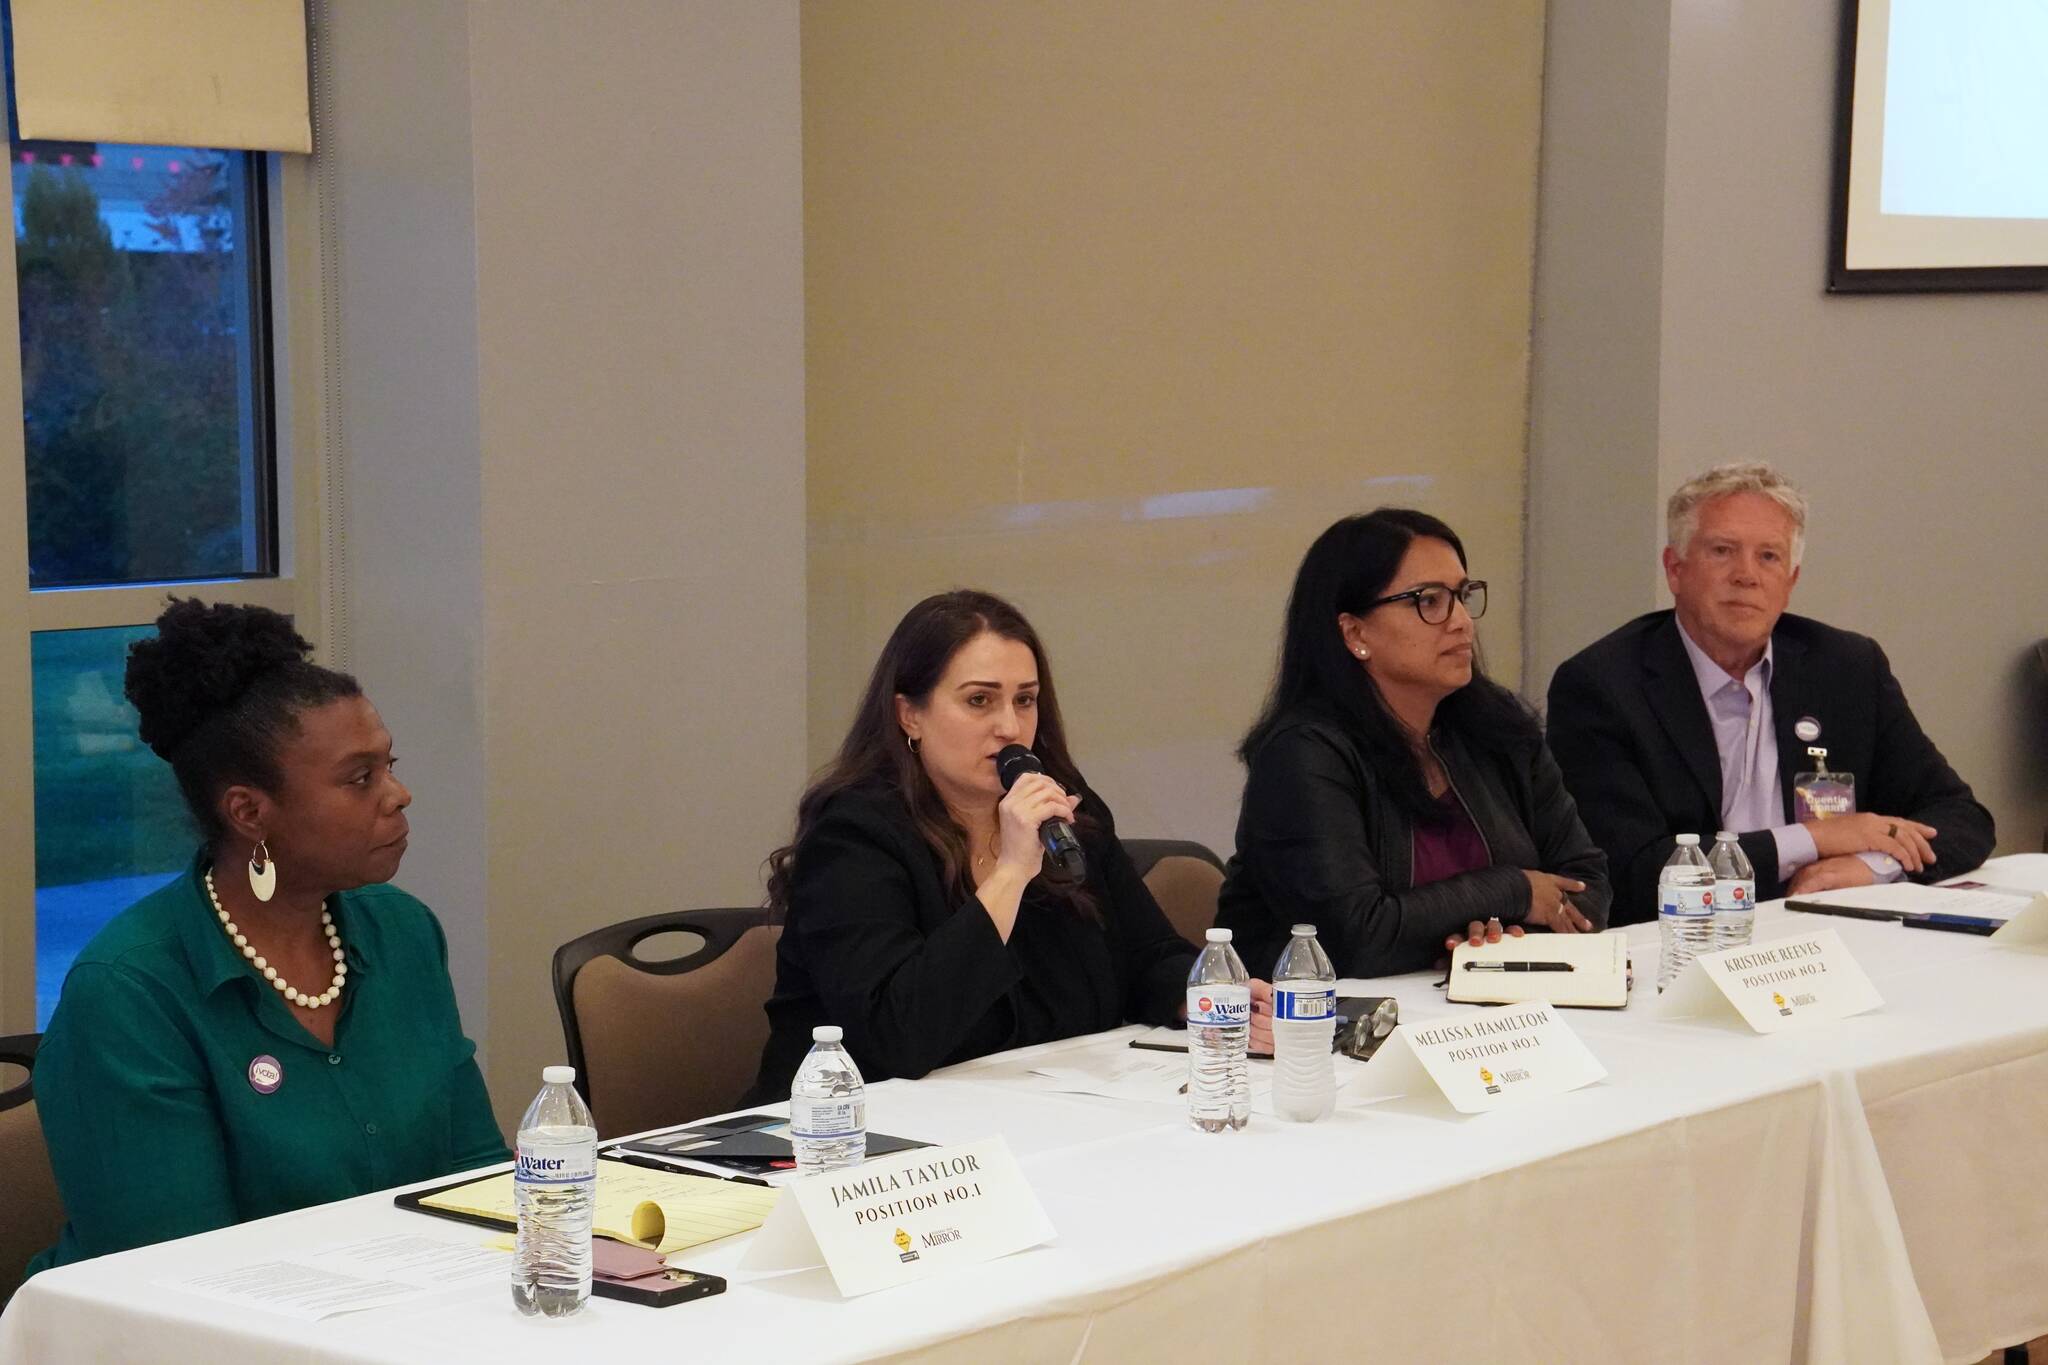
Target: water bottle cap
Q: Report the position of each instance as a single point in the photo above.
(827, 1033)
(1304, 931)
(1219, 936)
(558, 1075)
(1688, 841)
(1723, 835)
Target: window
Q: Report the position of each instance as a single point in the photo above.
(110, 825)
(145, 394)
(150, 463)
(148, 458)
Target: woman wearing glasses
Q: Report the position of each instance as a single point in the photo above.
(1398, 799)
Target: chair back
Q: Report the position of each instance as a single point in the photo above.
(1184, 877)
(34, 1215)
(662, 1040)
(2041, 692)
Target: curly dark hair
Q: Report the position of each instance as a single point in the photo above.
(910, 665)
(219, 689)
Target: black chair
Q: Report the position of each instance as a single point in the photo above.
(661, 1040)
(34, 1214)
(1184, 877)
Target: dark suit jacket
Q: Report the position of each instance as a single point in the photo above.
(875, 942)
(1630, 729)
(1319, 841)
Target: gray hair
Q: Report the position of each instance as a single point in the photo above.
(1682, 513)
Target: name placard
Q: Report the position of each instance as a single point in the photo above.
(1481, 1061)
(904, 1217)
(2027, 929)
(1783, 984)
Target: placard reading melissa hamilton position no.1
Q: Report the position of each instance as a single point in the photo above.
(902, 1218)
(1776, 985)
(1480, 1061)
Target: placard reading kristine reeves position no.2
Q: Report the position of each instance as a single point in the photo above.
(1774, 985)
(904, 1217)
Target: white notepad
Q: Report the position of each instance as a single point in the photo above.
(1598, 978)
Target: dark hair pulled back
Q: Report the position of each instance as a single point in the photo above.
(219, 689)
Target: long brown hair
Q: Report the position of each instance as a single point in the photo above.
(874, 751)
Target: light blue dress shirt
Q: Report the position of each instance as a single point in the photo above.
(1746, 739)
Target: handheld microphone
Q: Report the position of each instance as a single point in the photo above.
(1057, 835)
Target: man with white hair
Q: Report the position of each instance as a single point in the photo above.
(1697, 719)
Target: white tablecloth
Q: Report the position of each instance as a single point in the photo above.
(1863, 1192)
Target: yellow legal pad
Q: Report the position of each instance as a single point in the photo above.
(661, 1211)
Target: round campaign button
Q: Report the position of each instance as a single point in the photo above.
(1807, 728)
(265, 1074)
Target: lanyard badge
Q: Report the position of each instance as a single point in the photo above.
(1820, 794)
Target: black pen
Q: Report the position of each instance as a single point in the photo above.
(1520, 967)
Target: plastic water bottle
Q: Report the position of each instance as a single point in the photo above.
(1304, 1026)
(555, 1182)
(1734, 893)
(1685, 908)
(1219, 1027)
(828, 1106)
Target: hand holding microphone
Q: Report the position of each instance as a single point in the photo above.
(1036, 812)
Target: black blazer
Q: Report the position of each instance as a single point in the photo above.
(1320, 842)
(875, 942)
(1630, 729)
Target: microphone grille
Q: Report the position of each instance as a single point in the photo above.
(1013, 762)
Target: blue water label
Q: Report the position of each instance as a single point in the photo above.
(1686, 902)
(1734, 896)
(548, 1165)
(1310, 1006)
(1220, 1005)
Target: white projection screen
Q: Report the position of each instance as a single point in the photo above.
(1941, 155)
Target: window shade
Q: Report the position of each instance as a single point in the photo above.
(194, 73)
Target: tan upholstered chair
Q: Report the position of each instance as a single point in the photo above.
(658, 1041)
(1184, 878)
(33, 1216)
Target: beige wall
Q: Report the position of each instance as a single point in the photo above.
(570, 248)
(402, 374)
(1111, 308)
(1915, 423)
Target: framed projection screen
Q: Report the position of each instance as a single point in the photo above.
(1941, 146)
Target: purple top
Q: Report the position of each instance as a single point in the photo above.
(1447, 843)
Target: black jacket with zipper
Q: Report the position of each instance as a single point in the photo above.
(1320, 841)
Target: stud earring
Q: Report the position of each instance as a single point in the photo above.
(262, 872)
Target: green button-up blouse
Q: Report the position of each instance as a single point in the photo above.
(178, 1092)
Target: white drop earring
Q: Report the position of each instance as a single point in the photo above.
(262, 872)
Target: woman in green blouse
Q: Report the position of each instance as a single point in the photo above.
(276, 1027)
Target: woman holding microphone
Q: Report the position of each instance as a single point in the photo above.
(920, 910)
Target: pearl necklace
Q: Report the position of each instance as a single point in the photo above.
(311, 1002)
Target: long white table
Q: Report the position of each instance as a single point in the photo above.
(1862, 1192)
